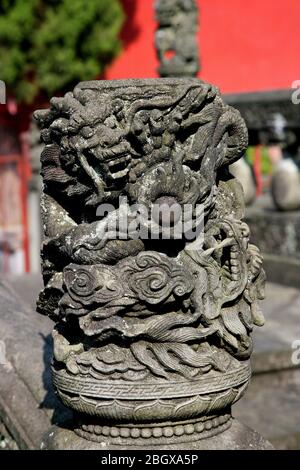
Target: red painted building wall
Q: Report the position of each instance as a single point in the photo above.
(245, 45)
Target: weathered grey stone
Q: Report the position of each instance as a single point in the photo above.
(35, 148)
(276, 232)
(273, 345)
(153, 337)
(272, 402)
(276, 398)
(272, 353)
(286, 185)
(283, 270)
(236, 437)
(176, 37)
(7, 441)
(243, 173)
(27, 399)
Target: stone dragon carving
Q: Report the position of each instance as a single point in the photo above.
(152, 337)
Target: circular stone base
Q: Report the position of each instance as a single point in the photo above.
(164, 434)
(236, 437)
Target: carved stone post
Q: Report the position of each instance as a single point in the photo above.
(152, 337)
(176, 38)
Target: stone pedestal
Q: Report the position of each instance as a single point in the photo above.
(276, 232)
(241, 170)
(286, 186)
(149, 275)
(236, 437)
(176, 38)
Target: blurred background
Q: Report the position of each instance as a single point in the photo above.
(251, 51)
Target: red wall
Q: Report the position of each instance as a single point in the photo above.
(245, 45)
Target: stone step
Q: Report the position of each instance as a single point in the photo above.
(271, 406)
(274, 231)
(273, 344)
(27, 398)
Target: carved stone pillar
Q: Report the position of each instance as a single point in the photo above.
(152, 338)
(176, 38)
